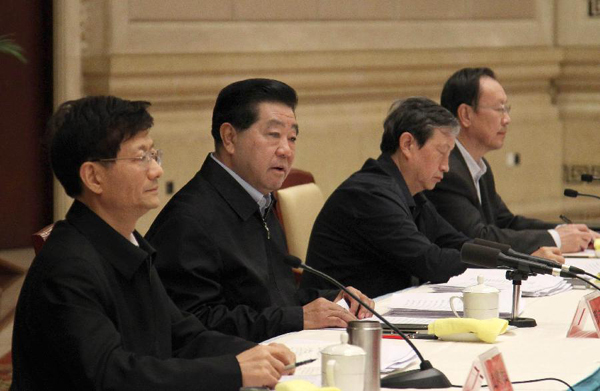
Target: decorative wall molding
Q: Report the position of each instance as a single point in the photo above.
(195, 79)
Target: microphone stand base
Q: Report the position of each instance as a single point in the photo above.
(426, 377)
(522, 322)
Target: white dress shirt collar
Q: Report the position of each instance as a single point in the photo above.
(263, 201)
(477, 169)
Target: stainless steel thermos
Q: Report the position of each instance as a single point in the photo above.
(367, 335)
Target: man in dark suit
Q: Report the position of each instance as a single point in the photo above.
(93, 313)
(221, 248)
(377, 231)
(467, 196)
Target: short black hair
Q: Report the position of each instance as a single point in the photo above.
(92, 128)
(418, 116)
(237, 103)
(463, 87)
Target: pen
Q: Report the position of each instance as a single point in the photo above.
(566, 219)
(422, 336)
(297, 364)
(411, 336)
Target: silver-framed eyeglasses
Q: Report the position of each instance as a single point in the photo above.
(502, 109)
(145, 158)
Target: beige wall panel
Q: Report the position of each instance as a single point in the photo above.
(478, 26)
(358, 9)
(304, 36)
(505, 9)
(180, 10)
(270, 10)
(574, 27)
(465, 9)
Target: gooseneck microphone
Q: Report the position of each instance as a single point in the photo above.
(506, 250)
(589, 177)
(574, 194)
(425, 377)
(475, 254)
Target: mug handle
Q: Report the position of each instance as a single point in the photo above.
(329, 368)
(452, 305)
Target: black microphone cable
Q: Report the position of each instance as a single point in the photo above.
(425, 377)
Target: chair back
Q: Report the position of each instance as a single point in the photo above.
(39, 238)
(299, 206)
(295, 177)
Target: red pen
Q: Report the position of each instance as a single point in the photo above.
(391, 336)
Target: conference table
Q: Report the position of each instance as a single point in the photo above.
(539, 352)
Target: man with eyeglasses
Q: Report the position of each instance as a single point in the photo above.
(467, 196)
(93, 313)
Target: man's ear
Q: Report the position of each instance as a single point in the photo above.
(463, 114)
(407, 144)
(92, 176)
(229, 137)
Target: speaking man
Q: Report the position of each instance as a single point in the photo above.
(220, 245)
(467, 196)
(93, 313)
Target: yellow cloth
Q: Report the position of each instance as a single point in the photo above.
(597, 247)
(486, 330)
(301, 385)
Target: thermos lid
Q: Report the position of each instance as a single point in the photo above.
(364, 325)
(344, 349)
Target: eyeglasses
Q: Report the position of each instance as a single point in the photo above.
(503, 109)
(145, 159)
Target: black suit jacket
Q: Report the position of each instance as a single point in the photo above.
(372, 234)
(93, 315)
(219, 262)
(455, 198)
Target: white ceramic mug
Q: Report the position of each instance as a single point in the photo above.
(479, 301)
(343, 366)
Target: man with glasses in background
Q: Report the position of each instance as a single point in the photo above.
(93, 313)
(467, 197)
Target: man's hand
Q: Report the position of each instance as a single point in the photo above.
(324, 313)
(262, 366)
(574, 237)
(551, 253)
(354, 305)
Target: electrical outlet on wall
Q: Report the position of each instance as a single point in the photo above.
(513, 159)
(169, 187)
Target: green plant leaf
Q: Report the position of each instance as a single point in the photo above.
(8, 46)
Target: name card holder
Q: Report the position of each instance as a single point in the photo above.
(588, 305)
(491, 365)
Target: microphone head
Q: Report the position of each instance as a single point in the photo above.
(587, 177)
(505, 248)
(571, 193)
(292, 261)
(475, 254)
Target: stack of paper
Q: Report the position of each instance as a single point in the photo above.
(429, 306)
(534, 286)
